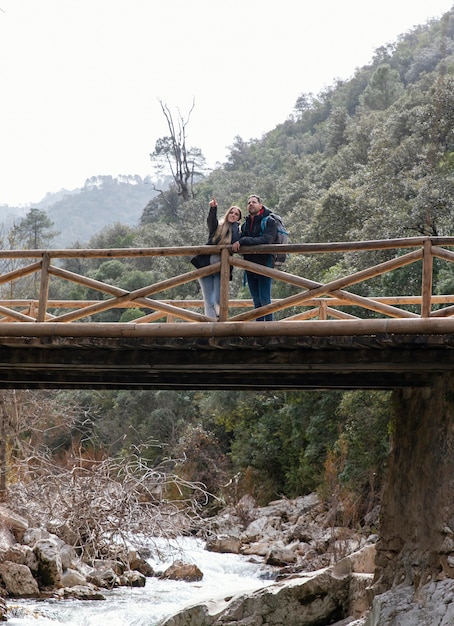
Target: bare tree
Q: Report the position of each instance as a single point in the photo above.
(55, 471)
(93, 504)
(26, 419)
(172, 154)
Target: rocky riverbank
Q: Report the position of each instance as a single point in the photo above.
(35, 563)
(323, 571)
(295, 537)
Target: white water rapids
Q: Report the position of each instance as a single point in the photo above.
(224, 575)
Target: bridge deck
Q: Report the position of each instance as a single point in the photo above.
(335, 334)
(312, 355)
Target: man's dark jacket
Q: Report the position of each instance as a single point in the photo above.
(253, 234)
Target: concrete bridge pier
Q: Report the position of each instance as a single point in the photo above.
(417, 516)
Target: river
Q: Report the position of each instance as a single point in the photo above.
(224, 575)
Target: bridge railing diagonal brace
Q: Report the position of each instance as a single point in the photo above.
(333, 288)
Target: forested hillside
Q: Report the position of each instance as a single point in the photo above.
(80, 213)
(371, 157)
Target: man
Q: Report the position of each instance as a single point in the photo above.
(255, 233)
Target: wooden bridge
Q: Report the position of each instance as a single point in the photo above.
(326, 335)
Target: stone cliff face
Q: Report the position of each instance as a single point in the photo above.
(416, 543)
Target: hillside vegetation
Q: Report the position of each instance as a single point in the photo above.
(371, 157)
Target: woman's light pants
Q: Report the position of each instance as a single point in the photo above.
(211, 291)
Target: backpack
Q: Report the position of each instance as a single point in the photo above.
(282, 236)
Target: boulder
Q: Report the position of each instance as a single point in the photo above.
(427, 605)
(104, 577)
(49, 563)
(182, 571)
(132, 578)
(7, 538)
(259, 548)
(83, 592)
(316, 599)
(262, 528)
(16, 523)
(142, 566)
(21, 554)
(280, 557)
(360, 595)
(18, 580)
(117, 566)
(223, 543)
(33, 535)
(72, 578)
(360, 562)
(68, 556)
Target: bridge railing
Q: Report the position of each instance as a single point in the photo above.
(31, 300)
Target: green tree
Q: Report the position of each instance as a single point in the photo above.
(383, 89)
(363, 446)
(34, 231)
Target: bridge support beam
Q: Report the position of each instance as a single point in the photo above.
(416, 543)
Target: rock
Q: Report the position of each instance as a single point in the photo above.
(85, 592)
(198, 615)
(139, 564)
(117, 566)
(68, 556)
(22, 555)
(301, 532)
(3, 611)
(104, 577)
(429, 605)
(360, 594)
(16, 523)
(182, 571)
(66, 534)
(18, 580)
(7, 538)
(259, 548)
(33, 535)
(142, 566)
(223, 543)
(316, 599)
(280, 557)
(360, 562)
(132, 578)
(49, 563)
(263, 528)
(72, 578)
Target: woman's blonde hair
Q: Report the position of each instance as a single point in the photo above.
(222, 236)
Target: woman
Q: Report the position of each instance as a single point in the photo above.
(221, 233)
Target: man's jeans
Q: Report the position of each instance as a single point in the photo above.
(211, 291)
(260, 288)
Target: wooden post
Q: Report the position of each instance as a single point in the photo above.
(427, 271)
(44, 288)
(225, 285)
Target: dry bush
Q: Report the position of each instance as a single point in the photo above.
(90, 506)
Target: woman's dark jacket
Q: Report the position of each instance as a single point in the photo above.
(213, 223)
(254, 234)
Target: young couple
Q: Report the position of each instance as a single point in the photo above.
(251, 232)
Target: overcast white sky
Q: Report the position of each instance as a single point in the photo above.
(81, 79)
